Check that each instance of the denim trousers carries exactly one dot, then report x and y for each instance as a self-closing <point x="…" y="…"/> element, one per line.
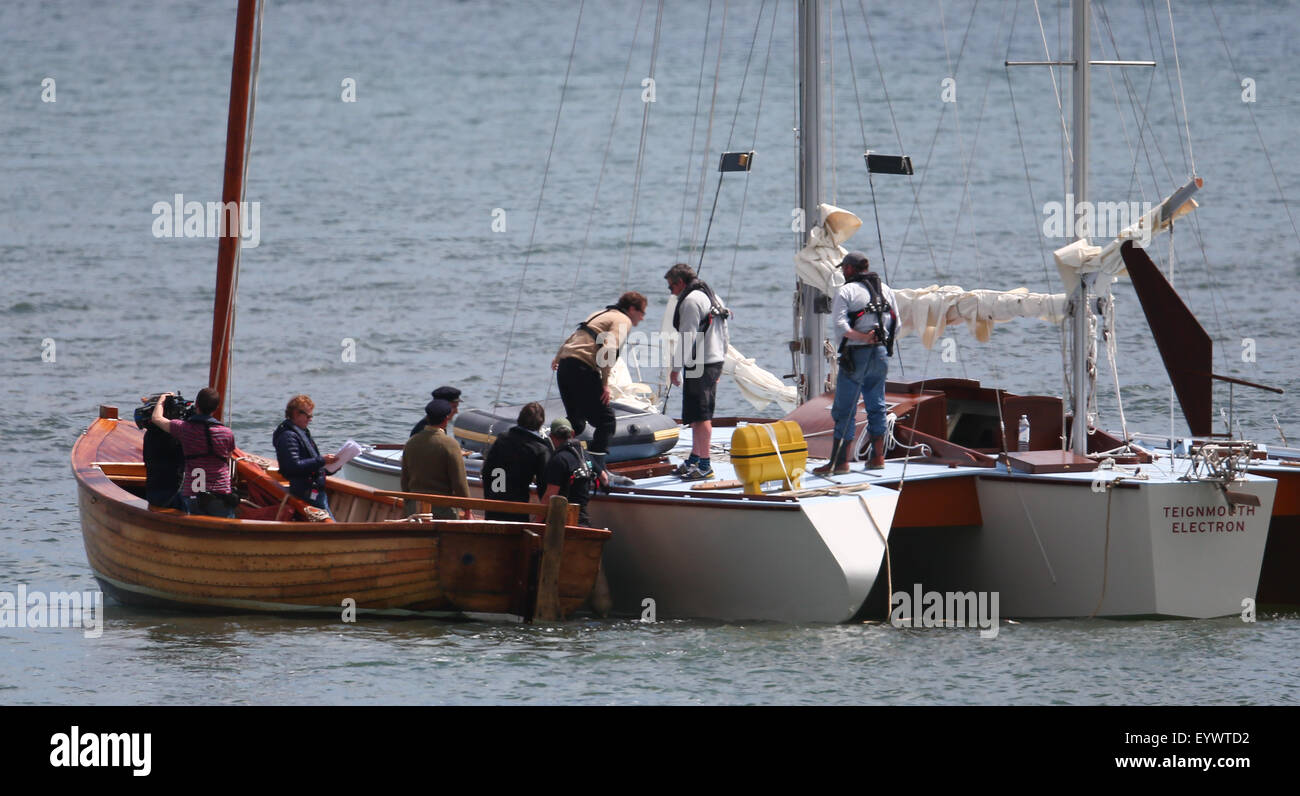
<point x="870" y="368"/>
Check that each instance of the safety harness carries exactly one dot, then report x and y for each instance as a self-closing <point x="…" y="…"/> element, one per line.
<point x="716" y="310"/>
<point x="595" y="336"/>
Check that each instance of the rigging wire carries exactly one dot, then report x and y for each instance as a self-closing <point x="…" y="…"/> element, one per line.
<point x="758" y="21"/>
<point x="690" y="149"/>
<point x="600" y="179"/>
<point x="758" y="115"/>
<point x="1250" y="108"/>
<point x="708" y="137"/>
<point x="916" y="189"/>
<point x="1056" y="91"/>
<point x="1173" y="39"/>
<point x="640" y="152"/>
<point x="1033" y="211"/>
<point x="532" y="235"/>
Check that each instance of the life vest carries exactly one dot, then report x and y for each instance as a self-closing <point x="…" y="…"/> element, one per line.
<point x="716" y="310"/>
<point x="586" y="327"/>
<point x="582" y="474"/>
<point x="877" y="305"/>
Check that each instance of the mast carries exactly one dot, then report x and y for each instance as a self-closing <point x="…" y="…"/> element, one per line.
<point x="811" y="302"/>
<point x="1079" y="52"/>
<point x="223" y="306"/>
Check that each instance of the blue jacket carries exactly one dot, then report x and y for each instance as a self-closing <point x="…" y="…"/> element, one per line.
<point x="299" y="458"/>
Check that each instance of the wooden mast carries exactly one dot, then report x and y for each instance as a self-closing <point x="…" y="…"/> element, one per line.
<point x="223" y="308"/>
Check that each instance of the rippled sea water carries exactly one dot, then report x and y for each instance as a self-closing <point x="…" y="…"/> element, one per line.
<point x="377" y="228"/>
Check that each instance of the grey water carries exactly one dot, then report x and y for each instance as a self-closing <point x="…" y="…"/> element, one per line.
<point x="402" y="245"/>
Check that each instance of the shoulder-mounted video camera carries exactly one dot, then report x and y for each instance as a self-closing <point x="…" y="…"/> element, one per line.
<point x="174" y="408"/>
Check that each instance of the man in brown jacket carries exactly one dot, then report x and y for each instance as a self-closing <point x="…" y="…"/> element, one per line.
<point x="582" y="370"/>
<point x="432" y="463"/>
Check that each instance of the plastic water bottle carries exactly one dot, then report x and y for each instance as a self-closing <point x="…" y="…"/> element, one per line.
<point x="1023" y="435"/>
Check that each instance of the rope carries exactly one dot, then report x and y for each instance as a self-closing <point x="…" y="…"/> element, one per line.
<point x="889" y="564"/>
<point x="532" y="235"/>
<point x="1105" y="561"/>
<point x="1108" y="334"/>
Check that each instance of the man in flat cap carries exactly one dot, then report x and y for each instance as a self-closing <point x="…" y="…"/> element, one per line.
<point x="431" y="461"/>
<point x="449" y="394"/>
<point x="865" y="324"/>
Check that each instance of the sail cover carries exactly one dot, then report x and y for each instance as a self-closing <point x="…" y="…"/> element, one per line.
<point x="928" y="311"/>
<point x="1079" y="257"/>
<point x="818" y="263"/>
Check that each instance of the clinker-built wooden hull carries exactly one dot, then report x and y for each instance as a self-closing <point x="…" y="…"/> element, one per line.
<point x="445" y="568"/>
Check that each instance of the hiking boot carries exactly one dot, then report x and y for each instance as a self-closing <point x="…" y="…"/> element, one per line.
<point x="683" y="468"/>
<point x="694" y="473"/>
<point x="831" y="468"/>
<point x="837" y="464"/>
<point x="877" y="460"/>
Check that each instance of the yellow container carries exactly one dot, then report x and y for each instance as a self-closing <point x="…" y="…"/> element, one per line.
<point x="755" y="457"/>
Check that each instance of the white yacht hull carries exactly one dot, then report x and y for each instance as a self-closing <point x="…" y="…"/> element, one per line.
<point x="1057" y="548"/>
<point x="812" y="560"/>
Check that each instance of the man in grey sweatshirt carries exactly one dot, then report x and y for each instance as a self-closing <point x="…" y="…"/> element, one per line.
<point x="701" y="321"/>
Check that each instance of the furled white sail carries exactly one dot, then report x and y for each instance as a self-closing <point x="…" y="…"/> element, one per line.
<point x="1080" y="257"/>
<point x="818" y="263"/>
<point x="758" y="386"/>
<point x="928" y="311"/>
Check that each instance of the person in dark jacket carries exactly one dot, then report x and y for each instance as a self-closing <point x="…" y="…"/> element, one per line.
<point x="300" y="460"/>
<point x="568" y="473"/>
<point x="516" y="461"/>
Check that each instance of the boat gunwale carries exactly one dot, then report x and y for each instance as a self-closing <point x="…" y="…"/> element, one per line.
<point x="97" y="485"/>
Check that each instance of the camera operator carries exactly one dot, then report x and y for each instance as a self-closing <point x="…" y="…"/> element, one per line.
<point x="207" y="445"/>
<point x="163" y="457"/>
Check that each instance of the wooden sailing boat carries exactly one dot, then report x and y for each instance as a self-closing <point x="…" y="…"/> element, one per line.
<point x="272" y="558"/>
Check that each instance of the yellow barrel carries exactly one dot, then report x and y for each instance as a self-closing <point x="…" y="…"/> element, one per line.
<point x="755" y="457"/>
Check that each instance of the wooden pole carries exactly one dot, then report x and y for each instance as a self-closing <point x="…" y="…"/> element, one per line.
<point x="548" y="581"/>
<point x="223" y="305"/>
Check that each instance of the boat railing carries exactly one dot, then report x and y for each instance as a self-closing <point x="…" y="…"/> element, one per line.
<point x="425" y="501"/>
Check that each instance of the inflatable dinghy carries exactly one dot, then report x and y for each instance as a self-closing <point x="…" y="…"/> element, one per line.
<point x="640" y="434"/>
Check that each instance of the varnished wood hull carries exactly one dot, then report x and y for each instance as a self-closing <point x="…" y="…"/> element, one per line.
<point x="445" y="568"/>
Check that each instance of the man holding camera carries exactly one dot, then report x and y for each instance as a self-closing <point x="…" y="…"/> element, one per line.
<point x="207" y="445"/>
<point x="866" y="321"/>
